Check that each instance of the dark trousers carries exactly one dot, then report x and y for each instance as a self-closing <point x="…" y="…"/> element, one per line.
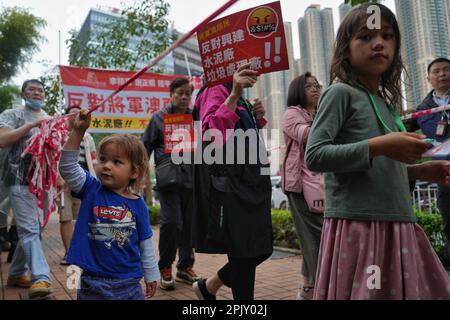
<point x="443" y="204"/>
<point x="239" y="275"/>
<point x="308" y="226"/>
<point x="175" y="231"/>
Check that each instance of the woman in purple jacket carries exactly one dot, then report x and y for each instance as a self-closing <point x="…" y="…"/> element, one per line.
<point x="303" y="96"/>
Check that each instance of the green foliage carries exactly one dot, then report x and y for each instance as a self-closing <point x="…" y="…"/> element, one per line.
<point x="431" y="223"/>
<point x="8" y="94"/>
<point x="144" y="25"/>
<point x="154" y="215"/>
<point x="53" y="93"/>
<point x="19" y="39"/>
<point x="284" y="234"/>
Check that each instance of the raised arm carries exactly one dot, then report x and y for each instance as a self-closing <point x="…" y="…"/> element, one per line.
<point x="69" y="168"/>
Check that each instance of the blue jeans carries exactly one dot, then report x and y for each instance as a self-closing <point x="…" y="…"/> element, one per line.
<point x="98" y="288"/>
<point x="29" y="252"/>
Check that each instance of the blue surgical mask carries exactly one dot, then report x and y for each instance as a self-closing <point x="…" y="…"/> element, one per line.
<point x="34" y="104"/>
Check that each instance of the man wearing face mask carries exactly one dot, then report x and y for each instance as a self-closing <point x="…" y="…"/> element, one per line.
<point x="16" y="127"/>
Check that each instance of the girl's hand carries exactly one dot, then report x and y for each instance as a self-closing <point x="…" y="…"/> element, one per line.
<point x="150" y="289"/>
<point x="82" y="121"/>
<point x="403" y="147"/>
<point x="431" y="171"/>
<point x="258" y="109"/>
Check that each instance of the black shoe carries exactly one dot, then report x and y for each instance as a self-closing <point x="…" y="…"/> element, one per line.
<point x="201" y="291"/>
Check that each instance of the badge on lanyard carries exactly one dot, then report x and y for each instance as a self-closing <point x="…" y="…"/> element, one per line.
<point x="442" y="127"/>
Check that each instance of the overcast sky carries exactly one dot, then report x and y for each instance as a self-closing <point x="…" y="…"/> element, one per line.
<point x="64" y="15"/>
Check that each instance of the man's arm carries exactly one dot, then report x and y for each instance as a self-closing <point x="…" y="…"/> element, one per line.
<point x="10" y="136"/>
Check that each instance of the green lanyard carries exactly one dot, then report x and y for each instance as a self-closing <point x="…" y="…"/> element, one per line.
<point x="394" y="113"/>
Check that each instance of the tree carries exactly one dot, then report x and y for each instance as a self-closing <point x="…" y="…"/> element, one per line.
<point x="19" y="40"/>
<point x="141" y="35"/>
<point x="54" y="102"/>
<point x="8" y="95"/>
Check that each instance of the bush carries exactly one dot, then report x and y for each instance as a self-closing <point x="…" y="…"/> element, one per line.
<point x="154" y="215"/>
<point x="284" y="234"/>
<point x="431" y="223"/>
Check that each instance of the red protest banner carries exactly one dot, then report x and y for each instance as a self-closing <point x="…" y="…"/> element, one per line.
<point x="128" y="111"/>
<point x="179" y="133"/>
<point x="254" y="36"/>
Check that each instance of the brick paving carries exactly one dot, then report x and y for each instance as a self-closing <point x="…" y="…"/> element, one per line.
<point x="276" y="279"/>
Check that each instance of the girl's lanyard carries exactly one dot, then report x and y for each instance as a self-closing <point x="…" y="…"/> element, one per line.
<point x="394" y="113"/>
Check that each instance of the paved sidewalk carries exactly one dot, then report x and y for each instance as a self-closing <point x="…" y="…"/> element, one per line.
<point x="276" y="279"/>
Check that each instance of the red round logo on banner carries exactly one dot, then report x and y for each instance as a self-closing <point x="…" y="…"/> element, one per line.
<point x="262" y="22"/>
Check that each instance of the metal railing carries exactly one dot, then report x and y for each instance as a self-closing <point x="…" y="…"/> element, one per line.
<point x="424" y="197"/>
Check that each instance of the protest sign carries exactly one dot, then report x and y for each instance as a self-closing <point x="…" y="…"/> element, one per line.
<point x="178" y="132"/>
<point x="254" y="36"/>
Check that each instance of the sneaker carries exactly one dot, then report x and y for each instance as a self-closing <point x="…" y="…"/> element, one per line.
<point x="305" y="293"/>
<point x="21" y="282"/>
<point x="187" y="276"/>
<point x="166" y="282"/>
<point x="201" y="291"/>
<point x="40" y="289"/>
<point x="64" y="261"/>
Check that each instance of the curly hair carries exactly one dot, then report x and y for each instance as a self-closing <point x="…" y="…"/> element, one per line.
<point x="135" y="151"/>
<point x="341" y="69"/>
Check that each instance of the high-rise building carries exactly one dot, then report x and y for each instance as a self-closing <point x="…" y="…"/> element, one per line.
<point x="425" y="28"/>
<point x="316" y="33"/>
<point x="186" y="58"/>
<point x="272" y="89"/>
<point x="299" y="68"/>
<point x="177" y="62"/>
<point x="344" y="8"/>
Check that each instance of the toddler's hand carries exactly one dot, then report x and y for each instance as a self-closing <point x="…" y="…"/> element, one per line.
<point x="404" y="147"/>
<point x="150" y="289"/>
<point x="82" y="121"/>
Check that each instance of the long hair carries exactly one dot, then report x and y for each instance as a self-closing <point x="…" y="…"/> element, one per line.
<point x="135" y="152"/>
<point x="297" y="91"/>
<point x="341" y="70"/>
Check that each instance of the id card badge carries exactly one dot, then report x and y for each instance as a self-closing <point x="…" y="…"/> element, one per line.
<point x="441" y="129"/>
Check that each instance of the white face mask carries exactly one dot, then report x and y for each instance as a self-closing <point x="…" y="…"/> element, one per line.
<point x="34" y="104"/>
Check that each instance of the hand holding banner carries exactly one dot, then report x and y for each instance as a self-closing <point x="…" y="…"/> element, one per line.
<point x="254" y="36"/>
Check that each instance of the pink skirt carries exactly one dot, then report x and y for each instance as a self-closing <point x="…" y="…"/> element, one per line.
<point x="378" y="260"/>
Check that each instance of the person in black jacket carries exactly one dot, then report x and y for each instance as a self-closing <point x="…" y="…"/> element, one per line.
<point x="437" y="126"/>
<point x="176" y="203"/>
<point x="232" y="201"/>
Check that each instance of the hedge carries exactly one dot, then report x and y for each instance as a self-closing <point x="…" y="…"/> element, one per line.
<point x="154" y="215"/>
<point x="285" y="235"/>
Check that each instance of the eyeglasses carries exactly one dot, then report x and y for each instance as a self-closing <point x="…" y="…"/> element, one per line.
<point x="310" y="87"/>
